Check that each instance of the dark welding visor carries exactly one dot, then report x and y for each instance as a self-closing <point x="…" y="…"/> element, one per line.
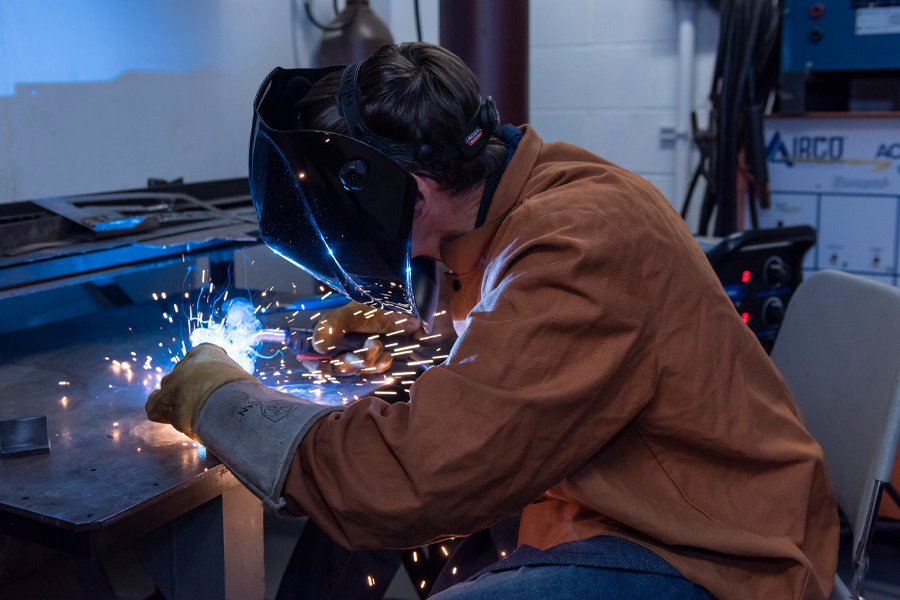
<point x="334" y="206"/>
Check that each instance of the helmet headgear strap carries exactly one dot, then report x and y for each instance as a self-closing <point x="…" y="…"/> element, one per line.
<point x="472" y="139"/>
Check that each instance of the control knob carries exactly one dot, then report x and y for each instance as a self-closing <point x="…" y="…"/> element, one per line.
<point x="775" y="272"/>
<point x="773" y="311"/>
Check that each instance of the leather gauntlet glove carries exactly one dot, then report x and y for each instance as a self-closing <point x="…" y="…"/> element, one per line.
<point x="355" y="317"/>
<point x="184" y="391"/>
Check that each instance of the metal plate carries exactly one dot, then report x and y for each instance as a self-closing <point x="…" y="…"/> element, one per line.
<point x="24" y="437"/>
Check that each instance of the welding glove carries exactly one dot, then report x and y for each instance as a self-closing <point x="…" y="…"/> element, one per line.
<point x="355" y="317"/>
<point x="183" y="392"/>
<point x="252" y="429"/>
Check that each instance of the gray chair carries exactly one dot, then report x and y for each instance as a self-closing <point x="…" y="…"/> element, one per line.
<point x="839" y="352"/>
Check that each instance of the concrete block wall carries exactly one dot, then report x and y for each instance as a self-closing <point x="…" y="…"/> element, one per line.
<point x="604" y="76"/>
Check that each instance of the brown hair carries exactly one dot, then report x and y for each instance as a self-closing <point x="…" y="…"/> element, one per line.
<point x="415" y="92"/>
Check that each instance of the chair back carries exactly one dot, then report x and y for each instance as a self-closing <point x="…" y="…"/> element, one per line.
<point x="839" y="352"/>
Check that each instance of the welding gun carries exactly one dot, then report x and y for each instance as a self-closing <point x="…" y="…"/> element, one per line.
<point x="300" y="342"/>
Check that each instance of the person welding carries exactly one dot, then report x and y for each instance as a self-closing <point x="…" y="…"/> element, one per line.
<point x="602" y="383"/>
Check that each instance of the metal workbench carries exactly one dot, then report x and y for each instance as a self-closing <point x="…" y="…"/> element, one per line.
<point x="112" y="478"/>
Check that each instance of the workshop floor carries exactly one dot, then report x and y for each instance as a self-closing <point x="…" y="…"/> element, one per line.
<point x="55" y="579"/>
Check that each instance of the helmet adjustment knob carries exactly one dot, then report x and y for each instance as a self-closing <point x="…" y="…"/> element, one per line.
<point x="353" y="174"/>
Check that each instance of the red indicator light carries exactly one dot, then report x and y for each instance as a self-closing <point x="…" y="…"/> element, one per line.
<point x="745" y="277"/>
<point x="745" y="317"/>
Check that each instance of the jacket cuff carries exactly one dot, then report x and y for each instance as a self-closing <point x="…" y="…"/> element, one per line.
<point x="255" y="431"/>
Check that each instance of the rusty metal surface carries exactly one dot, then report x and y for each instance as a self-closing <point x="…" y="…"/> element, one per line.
<point x="107" y="461"/>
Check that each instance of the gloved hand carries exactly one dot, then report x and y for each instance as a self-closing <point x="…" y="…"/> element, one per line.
<point x="355" y="317"/>
<point x="183" y="392"/>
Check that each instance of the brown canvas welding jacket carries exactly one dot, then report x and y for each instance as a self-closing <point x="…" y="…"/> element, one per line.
<point x="604" y="385"/>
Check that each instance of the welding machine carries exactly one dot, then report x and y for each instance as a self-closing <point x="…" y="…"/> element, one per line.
<point x="833" y="52"/>
<point x="760" y="270"/>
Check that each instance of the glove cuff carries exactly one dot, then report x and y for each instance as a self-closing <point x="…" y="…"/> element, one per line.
<point x="255" y="431"/>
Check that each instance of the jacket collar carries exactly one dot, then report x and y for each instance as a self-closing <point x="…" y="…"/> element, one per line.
<point x="463" y="254"/>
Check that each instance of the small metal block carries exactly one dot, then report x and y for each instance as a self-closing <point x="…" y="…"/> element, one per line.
<point x="24" y="437"/>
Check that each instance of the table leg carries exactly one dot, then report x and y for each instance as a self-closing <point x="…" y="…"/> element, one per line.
<point x="92" y="579"/>
<point x="214" y="551"/>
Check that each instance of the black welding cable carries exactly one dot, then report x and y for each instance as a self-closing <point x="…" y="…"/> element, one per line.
<point x="746" y="72"/>
<point x="715" y="93"/>
<point x="727" y="219"/>
<point x="740" y="51"/>
<point x="725" y="133"/>
<point x="709" y="197"/>
<point x="754" y="216"/>
<point x="706" y="209"/>
<point x="418" y="20"/>
<point x="690" y="192"/>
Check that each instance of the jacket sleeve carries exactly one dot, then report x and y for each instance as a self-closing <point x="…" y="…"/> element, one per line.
<point x="556" y="358"/>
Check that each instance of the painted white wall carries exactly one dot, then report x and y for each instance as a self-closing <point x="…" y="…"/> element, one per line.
<point x="98" y="95"/>
<point x="604" y="76"/>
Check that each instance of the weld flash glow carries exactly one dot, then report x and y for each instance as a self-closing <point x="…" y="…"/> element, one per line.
<point x="236" y="333"/>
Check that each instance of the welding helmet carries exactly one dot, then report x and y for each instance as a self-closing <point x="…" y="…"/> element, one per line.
<point x="340" y="207"/>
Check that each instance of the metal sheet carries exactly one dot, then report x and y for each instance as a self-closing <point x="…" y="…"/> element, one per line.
<point x="115" y="213"/>
<point x="107" y="461"/>
<point x="24" y="437"/>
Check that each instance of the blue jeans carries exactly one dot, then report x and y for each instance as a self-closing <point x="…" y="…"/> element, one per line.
<point x="604" y="567"/>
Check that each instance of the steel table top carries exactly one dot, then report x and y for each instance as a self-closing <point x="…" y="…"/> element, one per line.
<point x="107" y="463"/>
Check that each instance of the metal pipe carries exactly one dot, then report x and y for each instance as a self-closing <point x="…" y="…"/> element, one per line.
<point x="491" y="36"/>
<point x="861" y="550"/>
<point x="687" y="14"/>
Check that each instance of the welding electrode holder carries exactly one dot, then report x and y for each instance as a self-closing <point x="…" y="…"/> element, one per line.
<point x="299" y="341"/>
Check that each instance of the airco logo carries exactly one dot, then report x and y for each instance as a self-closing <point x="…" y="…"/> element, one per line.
<point x="825" y="150"/>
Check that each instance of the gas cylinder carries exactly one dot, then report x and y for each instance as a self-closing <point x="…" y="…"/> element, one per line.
<point x="354" y="34"/>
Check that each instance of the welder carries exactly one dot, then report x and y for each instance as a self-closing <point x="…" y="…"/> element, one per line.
<point x="602" y="383"/>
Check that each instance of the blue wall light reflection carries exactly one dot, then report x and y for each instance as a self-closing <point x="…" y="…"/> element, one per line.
<point x="67" y="41"/>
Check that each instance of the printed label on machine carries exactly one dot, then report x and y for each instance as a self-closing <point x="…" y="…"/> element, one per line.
<point x="834" y="155"/>
<point x="842" y="177"/>
<point x="878" y="20"/>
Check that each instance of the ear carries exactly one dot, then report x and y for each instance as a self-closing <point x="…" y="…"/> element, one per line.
<point x="425" y="198"/>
